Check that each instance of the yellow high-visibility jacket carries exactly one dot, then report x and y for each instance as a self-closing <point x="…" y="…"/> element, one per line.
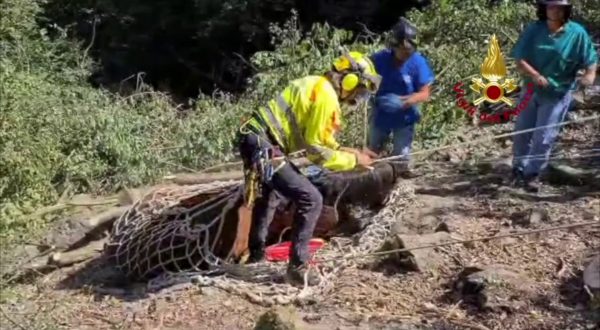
<point x="306" y="115"/>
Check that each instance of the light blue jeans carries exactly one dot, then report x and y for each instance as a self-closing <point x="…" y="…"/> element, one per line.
<point x="531" y="150"/>
<point x="402" y="139"/>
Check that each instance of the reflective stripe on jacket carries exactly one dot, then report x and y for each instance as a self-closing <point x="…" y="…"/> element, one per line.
<point x="306" y="115"/>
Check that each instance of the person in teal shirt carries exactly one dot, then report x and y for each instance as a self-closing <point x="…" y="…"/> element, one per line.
<point x="549" y="52"/>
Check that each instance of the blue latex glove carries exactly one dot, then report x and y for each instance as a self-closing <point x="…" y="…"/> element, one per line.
<point x="389" y="103"/>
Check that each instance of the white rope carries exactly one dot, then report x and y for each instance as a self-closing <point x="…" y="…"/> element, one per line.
<point x="490" y="138"/>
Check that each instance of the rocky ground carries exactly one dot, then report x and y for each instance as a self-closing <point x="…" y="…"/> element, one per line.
<point x="523" y="282"/>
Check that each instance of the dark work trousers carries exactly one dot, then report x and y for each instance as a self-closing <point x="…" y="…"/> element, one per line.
<point x="291" y="184"/>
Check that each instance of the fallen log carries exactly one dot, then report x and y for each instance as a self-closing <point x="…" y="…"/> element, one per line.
<point x="63" y="259"/>
<point x="105" y="217"/>
<point x="200" y="178"/>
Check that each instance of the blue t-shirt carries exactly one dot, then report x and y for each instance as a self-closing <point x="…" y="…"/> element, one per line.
<point x="557" y="57"/>
<point x="407" y="79"/>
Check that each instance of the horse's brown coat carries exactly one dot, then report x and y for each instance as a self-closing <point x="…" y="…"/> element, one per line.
<point x="340" y="190"/>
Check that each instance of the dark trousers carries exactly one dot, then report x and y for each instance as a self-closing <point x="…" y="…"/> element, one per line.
<point x="294" y="186"/>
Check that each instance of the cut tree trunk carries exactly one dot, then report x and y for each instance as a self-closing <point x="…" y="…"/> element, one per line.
<point x="63" y="259"/>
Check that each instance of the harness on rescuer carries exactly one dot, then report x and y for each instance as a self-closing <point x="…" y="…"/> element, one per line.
<point x="281" y="127"/>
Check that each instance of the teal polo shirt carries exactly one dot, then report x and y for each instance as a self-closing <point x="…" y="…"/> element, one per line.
<point x="557" y="56"/>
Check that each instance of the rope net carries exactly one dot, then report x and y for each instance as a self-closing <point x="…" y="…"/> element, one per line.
<point x="263" y="283"/>
<point x="170" y="230"/>
<point x="168" y="238"/>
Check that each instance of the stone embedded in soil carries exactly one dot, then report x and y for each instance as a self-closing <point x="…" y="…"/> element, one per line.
<point x="455" y="156"/>
<point x="591" y="273"/>
<point x="494" y="287"/>
<point x="66" y="233"/>
<point x="533" y="216"/>
<point x="425" y="218"/>
<point x="416" y="260"/>
<point x="280" y="318"/>
<point x="538" y="215"/>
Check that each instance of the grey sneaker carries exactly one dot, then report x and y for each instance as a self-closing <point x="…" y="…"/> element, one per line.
<point x="295" y="275"/>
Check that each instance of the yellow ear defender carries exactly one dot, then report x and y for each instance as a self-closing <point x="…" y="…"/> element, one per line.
<point x="356" y="74"/>
<point x="350" y="81"/>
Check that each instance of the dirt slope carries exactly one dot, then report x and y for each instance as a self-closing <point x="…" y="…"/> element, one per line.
<point x="468" y="200"/>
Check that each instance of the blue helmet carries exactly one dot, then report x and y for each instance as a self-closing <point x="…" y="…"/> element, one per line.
<point x="403" y="33"/>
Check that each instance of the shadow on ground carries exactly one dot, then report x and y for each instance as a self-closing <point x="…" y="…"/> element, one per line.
<point x="558" y="185"/>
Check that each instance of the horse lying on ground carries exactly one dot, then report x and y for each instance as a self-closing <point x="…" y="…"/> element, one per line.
<point x="174" y="231"/>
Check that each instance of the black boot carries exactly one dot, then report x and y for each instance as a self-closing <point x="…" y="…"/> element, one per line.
<point x="517" y="179"/>
<point x="256" y="255"/>
<point x="295" y="275"/>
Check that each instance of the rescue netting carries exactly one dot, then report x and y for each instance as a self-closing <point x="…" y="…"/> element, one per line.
<point x="172" y="229"/>
<point x="170" y="237"/>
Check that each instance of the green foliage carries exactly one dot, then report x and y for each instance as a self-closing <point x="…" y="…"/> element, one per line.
<point x="588" y="13"/>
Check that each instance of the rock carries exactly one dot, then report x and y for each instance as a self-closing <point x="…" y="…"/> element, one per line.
<point x="493" y="287"/>
<point x="68" y="233"/>
<point x="280" y="318"/>
<point x="589" y="97"/>
<point x="538" y="215"/>
<point x="502" y="166"/>
<point x="416" y="260"/>
<point x="443" y="227"/>
<point x="425" y="218"/>
<point x="455" y="156"/>
<point x="563" y="174"/>
<point x="591" y="274"/>
<point x="533" y="216"/>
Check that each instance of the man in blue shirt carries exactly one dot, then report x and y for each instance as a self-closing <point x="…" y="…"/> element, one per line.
<point x="549" y="52"/>
<point x="406" y="82"/>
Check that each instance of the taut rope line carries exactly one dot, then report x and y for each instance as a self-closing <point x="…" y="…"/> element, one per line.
<point x="528" y="232"/>
<point x="490" y="138"/>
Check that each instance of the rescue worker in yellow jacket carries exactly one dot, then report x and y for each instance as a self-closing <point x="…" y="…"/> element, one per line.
<point x="305" y="115"/>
